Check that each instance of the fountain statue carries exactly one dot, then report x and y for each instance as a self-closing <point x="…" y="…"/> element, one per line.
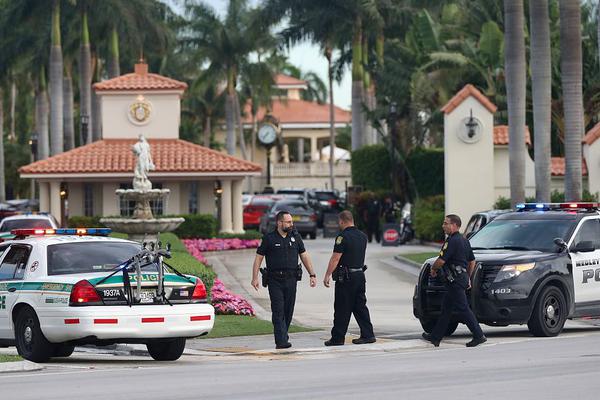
<point x="142" y="226"/>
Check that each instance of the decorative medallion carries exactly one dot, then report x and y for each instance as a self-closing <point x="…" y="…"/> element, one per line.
<point x="140" y="111"/>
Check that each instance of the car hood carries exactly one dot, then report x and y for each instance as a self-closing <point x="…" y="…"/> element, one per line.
<point x="508" y="256"/>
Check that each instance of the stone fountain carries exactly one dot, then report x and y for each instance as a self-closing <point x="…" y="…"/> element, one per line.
<point x="142" y="226"/>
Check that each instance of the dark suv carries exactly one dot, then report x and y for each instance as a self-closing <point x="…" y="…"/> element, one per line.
<point x="323" y="201"/>
<point x="537" y="266"/>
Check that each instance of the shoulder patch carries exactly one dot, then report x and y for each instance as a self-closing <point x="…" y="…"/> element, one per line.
<point x="339" y="239"/>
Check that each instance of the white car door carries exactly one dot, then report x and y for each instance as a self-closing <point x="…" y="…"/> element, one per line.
<point x="586" y="264"/>
<point x="12" y="272"/>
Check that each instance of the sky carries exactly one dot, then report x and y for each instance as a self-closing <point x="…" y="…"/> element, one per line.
<point x="306" y="56"/>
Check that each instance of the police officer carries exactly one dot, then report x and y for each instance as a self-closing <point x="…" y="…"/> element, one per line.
<point x="282" y="247"/>
<point x="458" y="262"/>
<point x="349" y="258"/>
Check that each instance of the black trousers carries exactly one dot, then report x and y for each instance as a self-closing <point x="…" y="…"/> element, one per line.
<point x="373" y="229"/>
<point x="282" y="292"/>
<point x="455" y="301"/>
<point x="350" y="298"/>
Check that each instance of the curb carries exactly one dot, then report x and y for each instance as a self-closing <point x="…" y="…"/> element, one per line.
<point x="408" y="261"/>
<point x="19" y="366"/>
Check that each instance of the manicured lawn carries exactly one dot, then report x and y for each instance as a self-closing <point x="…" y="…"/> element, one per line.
<point x="242" y="325"/>
<point x="420" y="257"/>
<point x="9" y="358"/>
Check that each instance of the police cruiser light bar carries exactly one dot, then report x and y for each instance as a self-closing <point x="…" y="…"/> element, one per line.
<point x="557" y="206"/>
<point x="62" y="231"/>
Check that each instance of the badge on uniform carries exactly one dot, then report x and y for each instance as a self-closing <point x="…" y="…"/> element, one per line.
<point x="293" y="239"/>
<point x="339" y="240"/>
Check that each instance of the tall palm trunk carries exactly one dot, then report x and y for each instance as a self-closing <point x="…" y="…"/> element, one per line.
<point x="238" y="120"/>
<point x="68" y="122"/>
<point x="541" y="77"/>
<point x="13" y="104"/>
<point x="515" y="90"/>
<point x="379" y="53"/>
<point x="2" y="180"/>
<point x="96" y="120"/>
<point x="366" y="106"/>
<point x="328" y="55"/>
<point x="85" y="80"/>
<point x="571" y="74"/>
<point x="56" y="84"/>
<point x="357" y="86"/>
<point x="207" y="130"/>
<point x="229" y="113"/>
<point x="41" y="116"/>
<point x="114" y="69"/>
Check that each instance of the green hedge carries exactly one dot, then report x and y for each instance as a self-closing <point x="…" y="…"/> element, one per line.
<point x="429" y="215"/>
<point x="371" y="168"/>
<point x="197" y="226"/>
<point x="85" y="222"/>
<point x="503" y="203"/>
<point x="426" y="167"/>
<point x="248" y="235"/>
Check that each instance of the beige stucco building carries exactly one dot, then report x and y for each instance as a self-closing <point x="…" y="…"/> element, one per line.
<point x="83" y="181"/>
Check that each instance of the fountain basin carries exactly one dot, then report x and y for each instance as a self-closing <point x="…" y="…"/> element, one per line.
<point x="137" y="229"/>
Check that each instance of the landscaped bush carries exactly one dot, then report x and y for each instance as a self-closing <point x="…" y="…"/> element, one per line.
<point x="226" y="302"/>
<point x="248" y="235"/>
<point x="429" y="215"/>
<point x="81" y="221"/>
<point x="426" y="167"/>
<point x="371" y="168"/>
<point x="219" y="244"/>
<point x="197" y="226"/>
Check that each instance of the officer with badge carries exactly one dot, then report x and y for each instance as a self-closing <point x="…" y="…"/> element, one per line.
<point x="281" y="247"/>
<point x="347" y="265"/>
<point x="457" y="263"/>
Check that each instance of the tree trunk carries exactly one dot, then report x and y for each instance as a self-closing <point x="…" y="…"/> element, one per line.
<point x="515" y="89"/>
<point x="114" y="68"/>
<point x="328" y="55"/>
<point x="357" y="86"/>
<point x="207" y="131"/>
<point x="68" y="109"/>
<point x="85" y="82"/>
<point x="2" y="180"/>
<point x="230" y="124"/>
<point x="56" y="85"/>
<point x="96" y="120"/>
<point x="41" y="117"/>
<point x="13" y="104"/>
<point x="571" y="74"/>
<point x="366" y="102"/>
<point x="238" y="120"/>
<point x="541" y="77"/>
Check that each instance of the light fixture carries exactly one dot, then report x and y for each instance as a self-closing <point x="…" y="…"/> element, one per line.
<point x="471" y="125"/>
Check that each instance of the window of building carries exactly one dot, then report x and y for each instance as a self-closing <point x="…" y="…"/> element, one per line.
<point x="88" y="199"/>
<point x="193" y="198"/>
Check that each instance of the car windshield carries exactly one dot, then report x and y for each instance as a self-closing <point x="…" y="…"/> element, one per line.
<point x="291" y="207"/>
<point x="25" y="223"/>
<point x="522" y="234"/>
<point x="324" y="195"/>
<point x="85" y="257"/>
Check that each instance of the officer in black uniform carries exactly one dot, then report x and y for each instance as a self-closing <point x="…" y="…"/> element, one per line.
<point x="457" y="261"/>
<point x="282" y="248"/>
<point x="348" y="262"/>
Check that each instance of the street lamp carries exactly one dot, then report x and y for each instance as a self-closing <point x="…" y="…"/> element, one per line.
<point x="83" y="132"/>
<point x="471" y="125"/>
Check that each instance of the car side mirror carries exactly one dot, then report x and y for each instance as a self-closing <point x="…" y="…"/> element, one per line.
<point x="562" y="246"/>
<point x="585" y="246"/>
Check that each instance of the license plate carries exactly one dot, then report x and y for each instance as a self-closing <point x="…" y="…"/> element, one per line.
<point x="147" y="296"/>
<point x="296" y="218"/>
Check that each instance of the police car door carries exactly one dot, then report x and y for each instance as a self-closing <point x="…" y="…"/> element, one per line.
<point x="6" y="277"/>
<point x="584" y="249"/>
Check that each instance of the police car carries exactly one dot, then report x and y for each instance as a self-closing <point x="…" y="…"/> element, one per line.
<point x="26" y="221"/>
<point x="65" y="287"/>
<point x="539" y="266"/>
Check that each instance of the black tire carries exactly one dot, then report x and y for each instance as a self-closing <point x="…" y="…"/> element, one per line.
<point x="549" y="313"/>
<point x="31" y="343"/>
<point x="63" y="350"/>
<point x="429" y="324"/>
<point x="313" y="235"/>
<point x="166" y="350"/>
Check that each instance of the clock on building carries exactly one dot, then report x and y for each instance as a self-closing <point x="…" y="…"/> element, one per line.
<point x="267" y="134"/>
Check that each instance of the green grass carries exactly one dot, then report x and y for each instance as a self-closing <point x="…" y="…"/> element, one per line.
<point x="420" y="257"/>
<point x="242" y="325"/>
<point x="9" y="358"/>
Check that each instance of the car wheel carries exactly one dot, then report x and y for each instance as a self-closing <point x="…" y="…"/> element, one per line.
<point x="166" y="350"/>
<point x="549" y="313"/>
<point x="63" y="350"/>
<point x="31" y="343"/>
<point x="428" y="325"/>
<point x="313" y="235"/>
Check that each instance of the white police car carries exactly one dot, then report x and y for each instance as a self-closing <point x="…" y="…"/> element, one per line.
<point x="64" y="287"/>
<point x="27" y="221"/>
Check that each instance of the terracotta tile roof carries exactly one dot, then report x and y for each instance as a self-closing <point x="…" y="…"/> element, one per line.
<point x="115" y="156"/>
<point x="557" y="166"/>
<point x="592" y="135"/>
<point x="140" y="79"/>
<point x="286" y="80"/>
<point x="501" y="135"/>
<point x="301" y="112"/>
<point x="468" y="90"/>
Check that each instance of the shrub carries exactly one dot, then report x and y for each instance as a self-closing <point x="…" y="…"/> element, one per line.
<point x="426" y="167"/>
<point x="371" y="168"/>
<point x="248" y="235"/>
<point x="197" y="226"/>
<point x="429" y="215"/>
<point x="502" y="203"/>
<point x="81" y="221"/>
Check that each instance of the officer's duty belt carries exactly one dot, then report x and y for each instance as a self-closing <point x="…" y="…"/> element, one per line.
<point x="281" y="273"/>
<point x="355" y="270"/>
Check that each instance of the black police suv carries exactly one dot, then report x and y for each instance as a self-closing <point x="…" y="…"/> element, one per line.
<point x="537" y="266"/>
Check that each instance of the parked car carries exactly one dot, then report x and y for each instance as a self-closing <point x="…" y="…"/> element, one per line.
<point x="257" y="207"/>
<point x="27" y="221"/>
<point x="301" y="193"/>
<point x="246" y="199"/>
<point x="481" y="219"/>
<point x="323" y="201"/>
<point x="305" y="218"/>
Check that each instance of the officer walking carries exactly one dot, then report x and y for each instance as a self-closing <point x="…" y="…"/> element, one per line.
<point x="458" y="262"/>
<point x="282" y="247"/>
<point x="348" y="269"/>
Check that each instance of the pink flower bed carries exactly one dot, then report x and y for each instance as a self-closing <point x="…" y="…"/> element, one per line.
<point x="221" y="244"/>
<point x="226" y="302"/>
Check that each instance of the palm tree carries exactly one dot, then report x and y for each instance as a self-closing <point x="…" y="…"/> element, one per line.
<point x="541" y="88"/>
<point x="515" y="90"/>
<point x="56" y="84"/>
<point x="41" y="115"/>
<point x="85" y="78"/>
<point x="68" y="106"/>
<point x="2" y="183"/>
<point x="571" y="73"/>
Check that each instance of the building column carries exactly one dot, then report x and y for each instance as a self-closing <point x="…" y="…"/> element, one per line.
<point x="55" y="208"/>
<point x="236" y="203"/>
<point x="226" y="226"/>
<point x="110" y="201"/>
<point x="44" y="197"/>
<point x="314" y="151"/>
<point x="300" y="150"/>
